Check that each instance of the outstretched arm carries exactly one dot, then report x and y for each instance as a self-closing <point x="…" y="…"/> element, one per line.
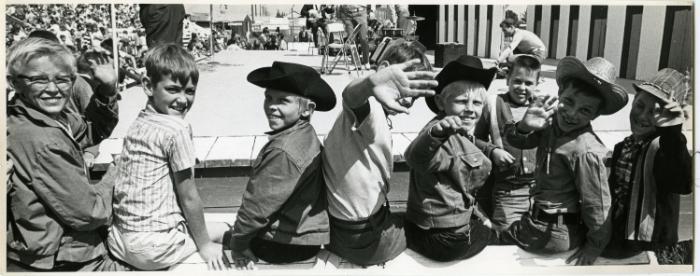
<point x="389" y="86"/>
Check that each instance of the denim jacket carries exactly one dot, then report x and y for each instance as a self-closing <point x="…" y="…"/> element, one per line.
<point x="285" y="200"/>
<point x="445" y="174"/>
<point x="54" y="213"/>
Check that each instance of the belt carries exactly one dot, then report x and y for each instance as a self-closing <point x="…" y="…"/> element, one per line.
<point x="560" y="218"/>
<point x="375" y="220"/>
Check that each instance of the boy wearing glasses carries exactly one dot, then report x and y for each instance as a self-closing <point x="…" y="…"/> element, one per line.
<point x="54" y="213"/>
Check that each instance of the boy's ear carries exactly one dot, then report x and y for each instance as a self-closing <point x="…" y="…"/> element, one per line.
<point x="146" y="83"/>
<point x="438" y="102"/>
<point x="308" y="110"/>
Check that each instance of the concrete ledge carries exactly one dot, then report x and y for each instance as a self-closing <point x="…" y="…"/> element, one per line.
<point x="504" y="259"/>
<point x="241" y="151"/>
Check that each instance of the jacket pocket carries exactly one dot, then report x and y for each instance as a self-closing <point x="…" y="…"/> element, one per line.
<point x="477" y="169"/>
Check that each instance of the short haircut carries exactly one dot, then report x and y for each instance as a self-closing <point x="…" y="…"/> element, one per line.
<point x="507" y="23"/>
<point x="34" y="47"/>
<point x="403" y="52"/>
<point x="45" y="34"/>
<point x="171" y="59"/>
<point x="462" y="86"/>
<point x="528" y="63"/>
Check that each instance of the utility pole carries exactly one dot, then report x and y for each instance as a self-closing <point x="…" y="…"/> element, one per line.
<point x="211" y="30"/>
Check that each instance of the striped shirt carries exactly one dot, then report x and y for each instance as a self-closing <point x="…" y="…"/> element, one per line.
<point x="155" y="147"/>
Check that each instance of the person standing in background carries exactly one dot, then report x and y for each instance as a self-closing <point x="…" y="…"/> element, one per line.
<point x="351" y="16"/>
<point x="163" y="23"/>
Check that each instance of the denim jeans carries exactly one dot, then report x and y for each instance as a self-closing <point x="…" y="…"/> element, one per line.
<point x="543" y="237"/>
<point x="446" y="244"/>
<point x="280" y="253"/>
<point x="510" y="203"/>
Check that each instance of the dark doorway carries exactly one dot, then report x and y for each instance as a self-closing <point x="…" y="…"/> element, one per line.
<point x="676" y="48"/>
<point x="427" y="29"/>
<point x="553" y="33"/>
<point x="599" y="18"/>
<point x="630" y="42"/>
<point x="573" y="31"/>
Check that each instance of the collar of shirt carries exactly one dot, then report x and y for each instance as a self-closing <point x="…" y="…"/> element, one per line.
<point x="63" y="121"/>
<point x="277" y="133"/>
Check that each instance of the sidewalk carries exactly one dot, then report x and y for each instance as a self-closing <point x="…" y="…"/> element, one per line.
<point x="229" y="124"/>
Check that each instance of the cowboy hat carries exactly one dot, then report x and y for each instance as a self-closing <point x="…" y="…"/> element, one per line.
<point x="297" y="79"/>
<point x="464" y="68"/>
<point x="598" y="73"/>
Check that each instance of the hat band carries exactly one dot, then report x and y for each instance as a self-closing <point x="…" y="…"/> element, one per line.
<point x="660" y="88"/>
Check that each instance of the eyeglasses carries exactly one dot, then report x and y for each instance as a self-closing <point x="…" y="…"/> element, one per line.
<point x="42" y="82"/>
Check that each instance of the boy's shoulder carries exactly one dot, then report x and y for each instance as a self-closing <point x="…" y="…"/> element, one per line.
<point x="165" y="125"/>
<point x="299" y="144"/>
<point x="584" y="143"/>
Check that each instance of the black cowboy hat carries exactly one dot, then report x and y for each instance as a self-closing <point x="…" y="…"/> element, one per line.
<point x="598" y="73"/>
<point x="464" y="68"/>
<point x="297" y="79"/>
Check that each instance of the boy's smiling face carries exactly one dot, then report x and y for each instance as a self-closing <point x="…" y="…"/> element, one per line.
<point x="642" y="114"/>
<point x="171" y="97"/>
<point x="576" y="108"/>
<point x="283" y="109"/>
<point x="522" y="83"/>
<point x="459" y="100"/>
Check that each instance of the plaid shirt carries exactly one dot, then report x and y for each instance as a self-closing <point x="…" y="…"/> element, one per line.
<point x="155" y="147"/>
<point x="624" y="165"/>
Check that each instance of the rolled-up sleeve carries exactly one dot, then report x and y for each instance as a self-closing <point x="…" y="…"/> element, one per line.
<point x="273" y="182"/>
<point x="591" y="182"/>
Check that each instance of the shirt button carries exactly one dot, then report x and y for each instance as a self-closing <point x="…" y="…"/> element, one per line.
<point x="524" y="158"/>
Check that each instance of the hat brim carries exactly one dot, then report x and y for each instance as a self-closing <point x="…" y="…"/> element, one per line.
<point x="614" y="95"/>
<point x="653" y="91"/>
<point x="457" y="72"/>
<point x="266" y="77"/>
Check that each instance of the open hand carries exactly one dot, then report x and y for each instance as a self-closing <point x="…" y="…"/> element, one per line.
<point x="391" y="84"/>
<point x="582" y="258"/>
<point x="538" y="114"/>
<point x="671" y="114"/>
<point x="212" y="254"/>
<point x="448" y="126"/>
<point x="102" y="71"/>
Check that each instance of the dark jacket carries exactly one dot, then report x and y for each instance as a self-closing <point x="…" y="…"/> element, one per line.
<point x="522" y="171"/>
<point x="54" y="213"/>
<point x="672" y="172"/>
<point x="445" y="175"/>
<point x="285" y="200"/>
